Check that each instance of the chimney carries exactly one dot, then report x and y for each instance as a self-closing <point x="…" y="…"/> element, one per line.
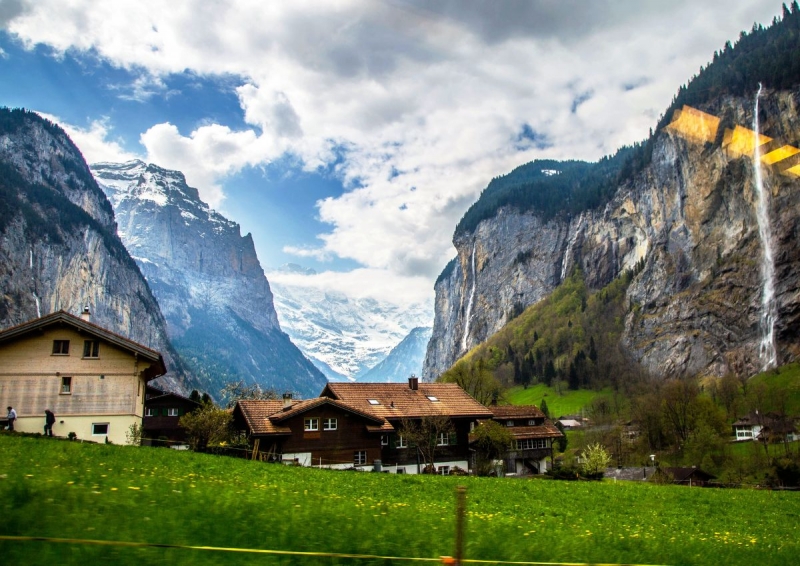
<point x="86" y="314"/>
<point x="287" y="401"/>
<point x="413" y="383"/>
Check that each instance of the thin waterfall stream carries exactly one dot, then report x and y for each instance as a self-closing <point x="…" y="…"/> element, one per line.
<point x="468" y="314"/>
<point x="767" y="351"/>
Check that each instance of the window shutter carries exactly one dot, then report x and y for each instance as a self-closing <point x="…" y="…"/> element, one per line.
<point x="180" y="411"/>
<point x="453" y="439"/>
<point x="164" y="412"/>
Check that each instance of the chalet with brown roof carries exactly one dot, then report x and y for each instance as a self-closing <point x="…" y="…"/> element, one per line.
<point x="91" y="378"/>
<point x="399" y="403"/>
<point x="314" y="432"/>
<point x="361" y="425"/>
<point x="533" y="435"/>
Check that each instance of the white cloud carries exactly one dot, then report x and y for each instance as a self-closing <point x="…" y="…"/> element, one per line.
<point x="363" y="283"/>
<point x="429" y="96"/>
<point x="95" y="142"/>
<point x="316" y="253"/>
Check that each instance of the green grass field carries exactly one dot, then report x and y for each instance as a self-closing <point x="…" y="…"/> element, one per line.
<point x="52" y="488"/>
<point x="567" y="403"/>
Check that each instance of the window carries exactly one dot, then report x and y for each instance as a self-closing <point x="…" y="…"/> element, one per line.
<point x="99" y="429"/>
<point x="531" y="423"/>
<point x="432" y="399"/>
<point x="509" y="423"/>
<point x="384" y="440"/>
<point x="401" y="442"/>
<point x="531" y="443"/>
<point x="91" y="348"/>
<point x="444" y="470"/>
<point x="310" y="425"/>
<point x="401" y="470"/>
<point x="150" y="412"/>
<point x="360" y="457"/>
<point x="61" y="347"/>
<point x="330" y="424"/>
<point x="373" y="402"/>
<point x="66" y="385"/>
<point x="172" y="412"/>
<point x="443" y="439"/>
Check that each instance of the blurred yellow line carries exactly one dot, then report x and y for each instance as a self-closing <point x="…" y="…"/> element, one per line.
<point x="445" y="559"/>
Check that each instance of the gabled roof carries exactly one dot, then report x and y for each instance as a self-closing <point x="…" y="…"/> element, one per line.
<point x="398" y="400"/>
<point x="265" y="417"/>
<point x="167" y="395"/>
<point x="256" y="414"/>
<point x="547" y="430"/>
<point x="64" y="318"/>
<point x="683" y="474"/>
<point x="517" y="412"/>
<point x="303" y="406"/>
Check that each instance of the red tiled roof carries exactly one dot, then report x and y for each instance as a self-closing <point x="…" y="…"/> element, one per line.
<point x="516" y="412"/>
<point x="263" y="417"/>
<point x="303" y="406"/>
<point x="398" y="400"/>
<point x="257" y="412"/>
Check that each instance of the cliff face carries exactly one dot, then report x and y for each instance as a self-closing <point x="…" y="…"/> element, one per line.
<point x="58" y="242"/>
<point x="208" y="281"/>
<point x="690" y="217"/>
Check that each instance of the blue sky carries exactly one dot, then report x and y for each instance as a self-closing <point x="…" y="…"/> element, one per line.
<point x="352" y="136"/>
<point x="276" y="202"/>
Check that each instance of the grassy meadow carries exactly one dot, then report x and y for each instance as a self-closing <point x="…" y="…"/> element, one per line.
<point x="567" y="402"/>
<point x="53" y="488"/>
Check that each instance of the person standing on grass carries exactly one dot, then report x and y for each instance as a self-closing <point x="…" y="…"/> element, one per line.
<point x="12" y="416"/>
<point x="49" y="421"/>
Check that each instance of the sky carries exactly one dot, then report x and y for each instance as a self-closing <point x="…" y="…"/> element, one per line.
<point x="350" y="136"/>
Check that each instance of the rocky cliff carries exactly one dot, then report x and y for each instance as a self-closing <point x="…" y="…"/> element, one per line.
<point x="690" y="218"/>
<point x="58" y="243"/>
<point x="208" y="281"/>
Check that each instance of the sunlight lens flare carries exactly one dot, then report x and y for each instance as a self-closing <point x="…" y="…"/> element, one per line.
<point x="694" y="125"/>
<point x="741" y="141"/>
<point x="699" y="127"/>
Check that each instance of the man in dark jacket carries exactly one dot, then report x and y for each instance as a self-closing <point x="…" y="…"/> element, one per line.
<point x="49" y="421"/>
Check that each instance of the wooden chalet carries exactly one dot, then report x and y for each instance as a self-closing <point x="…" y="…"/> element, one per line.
<point x="162" y="413"/>
<point x="533" y="435"/>
<point x="397" y="403"/>
<point x="361" y="425"/>
<point x="320" y="432"/>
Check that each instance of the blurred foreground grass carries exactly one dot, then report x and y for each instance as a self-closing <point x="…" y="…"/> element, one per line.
<point x="53" y="488"/>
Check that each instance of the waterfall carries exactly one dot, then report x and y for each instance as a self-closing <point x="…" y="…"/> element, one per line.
<point x="570" y="245"/>
<point x="469" y="302"/>
<point x="766" y="351"/>
<point x="33" y="279"/>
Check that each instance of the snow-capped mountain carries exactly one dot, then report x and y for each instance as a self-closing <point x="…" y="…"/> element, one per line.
<point x="207" y="279"/>
<point x="403" y="361"/>
<point x="344" y="336"/>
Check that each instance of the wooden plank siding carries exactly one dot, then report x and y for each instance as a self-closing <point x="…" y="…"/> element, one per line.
<point x="107" y="386"/>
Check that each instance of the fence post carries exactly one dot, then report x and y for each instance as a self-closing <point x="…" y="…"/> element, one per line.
<point x="461" y="506"/>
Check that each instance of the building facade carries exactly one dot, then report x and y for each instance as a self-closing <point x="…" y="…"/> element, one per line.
<point x="92" y="379"/>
